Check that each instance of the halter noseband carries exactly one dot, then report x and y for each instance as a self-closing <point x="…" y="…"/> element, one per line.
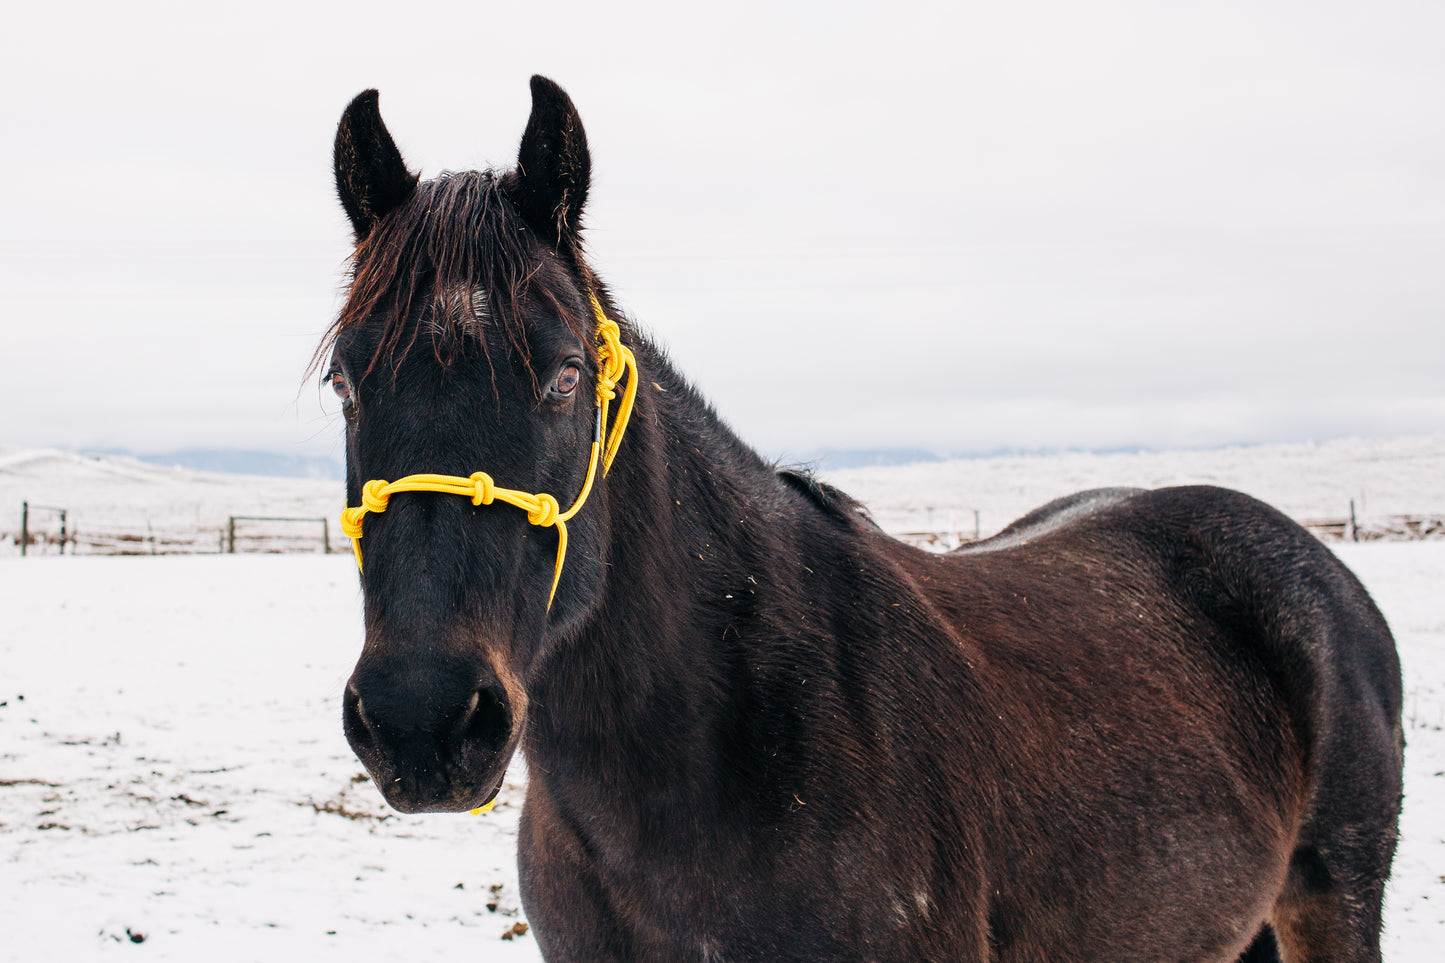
<point x="613" y="359"/>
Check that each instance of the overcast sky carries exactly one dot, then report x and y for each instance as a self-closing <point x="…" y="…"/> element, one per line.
<point x="958" y="226"/>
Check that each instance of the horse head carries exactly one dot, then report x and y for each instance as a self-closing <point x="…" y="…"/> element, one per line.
<point x="467" y="348"/>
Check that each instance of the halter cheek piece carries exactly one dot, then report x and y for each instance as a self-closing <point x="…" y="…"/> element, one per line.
<point x="613" y="358"/>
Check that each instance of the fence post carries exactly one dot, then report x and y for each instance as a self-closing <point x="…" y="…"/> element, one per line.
<point x="325" y="535"/>
<point x="231" y="536"/>
<point x="24" y="526"/>
<point x="62" y="533"/>
<point x="975" y="524"/>
<point x="1354" y="525"/>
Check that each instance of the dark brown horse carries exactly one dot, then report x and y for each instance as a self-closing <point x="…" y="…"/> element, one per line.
<point x="1136" y="725"/>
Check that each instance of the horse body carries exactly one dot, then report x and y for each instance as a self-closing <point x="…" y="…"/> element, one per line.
<point x="837" y="746"/>
<point x="1134" y="725"/>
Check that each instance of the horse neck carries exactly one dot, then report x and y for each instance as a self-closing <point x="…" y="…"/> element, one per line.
<point x="696" y="519"/>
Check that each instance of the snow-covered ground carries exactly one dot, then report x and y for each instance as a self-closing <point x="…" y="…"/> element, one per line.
<point x="172" y="765"/>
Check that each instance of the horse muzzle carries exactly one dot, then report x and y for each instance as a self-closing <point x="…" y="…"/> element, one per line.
<point x="433" y="741"/>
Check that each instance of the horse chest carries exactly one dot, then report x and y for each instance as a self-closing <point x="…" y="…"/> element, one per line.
<point x="800" y="892"/>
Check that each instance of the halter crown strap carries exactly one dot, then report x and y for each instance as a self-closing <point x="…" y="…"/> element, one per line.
<point x="614" y="359"/>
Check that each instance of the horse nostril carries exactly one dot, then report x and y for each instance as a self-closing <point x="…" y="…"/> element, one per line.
<point x="357" y="726"/>
<point x="487" y="719"/>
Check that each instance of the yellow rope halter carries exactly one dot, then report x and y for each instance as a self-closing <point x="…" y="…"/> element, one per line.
<point x="613" y="359"/>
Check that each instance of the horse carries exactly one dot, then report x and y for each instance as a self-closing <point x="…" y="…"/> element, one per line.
<point x="1135" y="725"/>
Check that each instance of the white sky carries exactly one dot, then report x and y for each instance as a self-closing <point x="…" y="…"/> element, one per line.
<point x="955" y="226"/>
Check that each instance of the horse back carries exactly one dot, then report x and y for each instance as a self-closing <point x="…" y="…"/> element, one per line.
<point x="1223" y="577"/>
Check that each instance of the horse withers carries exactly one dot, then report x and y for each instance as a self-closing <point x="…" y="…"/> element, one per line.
<point x="1135" y="725"/>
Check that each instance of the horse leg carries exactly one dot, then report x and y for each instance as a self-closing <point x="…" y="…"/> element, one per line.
<point x="1330" y="907"/>
<point x="566" y="906"/>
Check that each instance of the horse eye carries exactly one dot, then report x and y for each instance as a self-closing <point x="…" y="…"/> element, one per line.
<point x="566" y="380"/>
<point x="338" y="384"/>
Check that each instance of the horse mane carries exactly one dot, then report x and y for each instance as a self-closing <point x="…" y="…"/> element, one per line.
<point x="834" y="502"/>
<point x="457" y="239"/>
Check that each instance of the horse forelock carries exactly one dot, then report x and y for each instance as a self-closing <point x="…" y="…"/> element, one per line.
<point x="458" y="247"/>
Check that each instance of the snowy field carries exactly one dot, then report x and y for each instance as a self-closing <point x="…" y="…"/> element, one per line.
<point x="1383" y="476"/>
<point x="117" y="494"/>
<point x="172" y="767"/>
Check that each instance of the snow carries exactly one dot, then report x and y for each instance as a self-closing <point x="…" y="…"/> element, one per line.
<point x="117" y="494"/>
<point x="176" y="768"/>
<point x="1407" y="581"/>
<point x="1384" y="476"/>
<point x="172" y="763"/>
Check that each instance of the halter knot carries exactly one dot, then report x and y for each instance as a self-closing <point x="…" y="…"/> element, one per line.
<point x="351" y="523"/>
<point x="546" y="511"/>
<point x="484" y="487"/>
<point x="609" y="352"/>
<point x="374" y="495"/>
<point x="614" y="359"/>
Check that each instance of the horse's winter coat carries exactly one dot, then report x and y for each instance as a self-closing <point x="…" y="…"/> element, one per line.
<point x="1136" y="725"/>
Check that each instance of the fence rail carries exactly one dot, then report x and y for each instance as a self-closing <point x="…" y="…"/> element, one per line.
<point x="272" y="538"/>
<point x="1393" y="528"/>
<point x="24" y="538"/>
<point x="269" y="534"/>
<point x="281" y="534"/>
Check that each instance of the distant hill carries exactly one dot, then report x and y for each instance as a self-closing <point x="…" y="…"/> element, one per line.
<point x="121" y="497"/>
<point x="233" y="461"/>
<point x="1381" y="476"/>
<point x="837" y="459"/>
<point x="833" y="459"/>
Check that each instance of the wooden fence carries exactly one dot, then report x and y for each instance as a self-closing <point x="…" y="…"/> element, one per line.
<point x="271" y="540"/>
<point x="270" y="534"/>
<point x="1393" y="528"/>
<point x="278" y="534"/>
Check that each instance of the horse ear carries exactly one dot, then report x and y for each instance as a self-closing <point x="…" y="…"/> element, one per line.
<point x="371" y="177"/>
<point x="553" y="167"/>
